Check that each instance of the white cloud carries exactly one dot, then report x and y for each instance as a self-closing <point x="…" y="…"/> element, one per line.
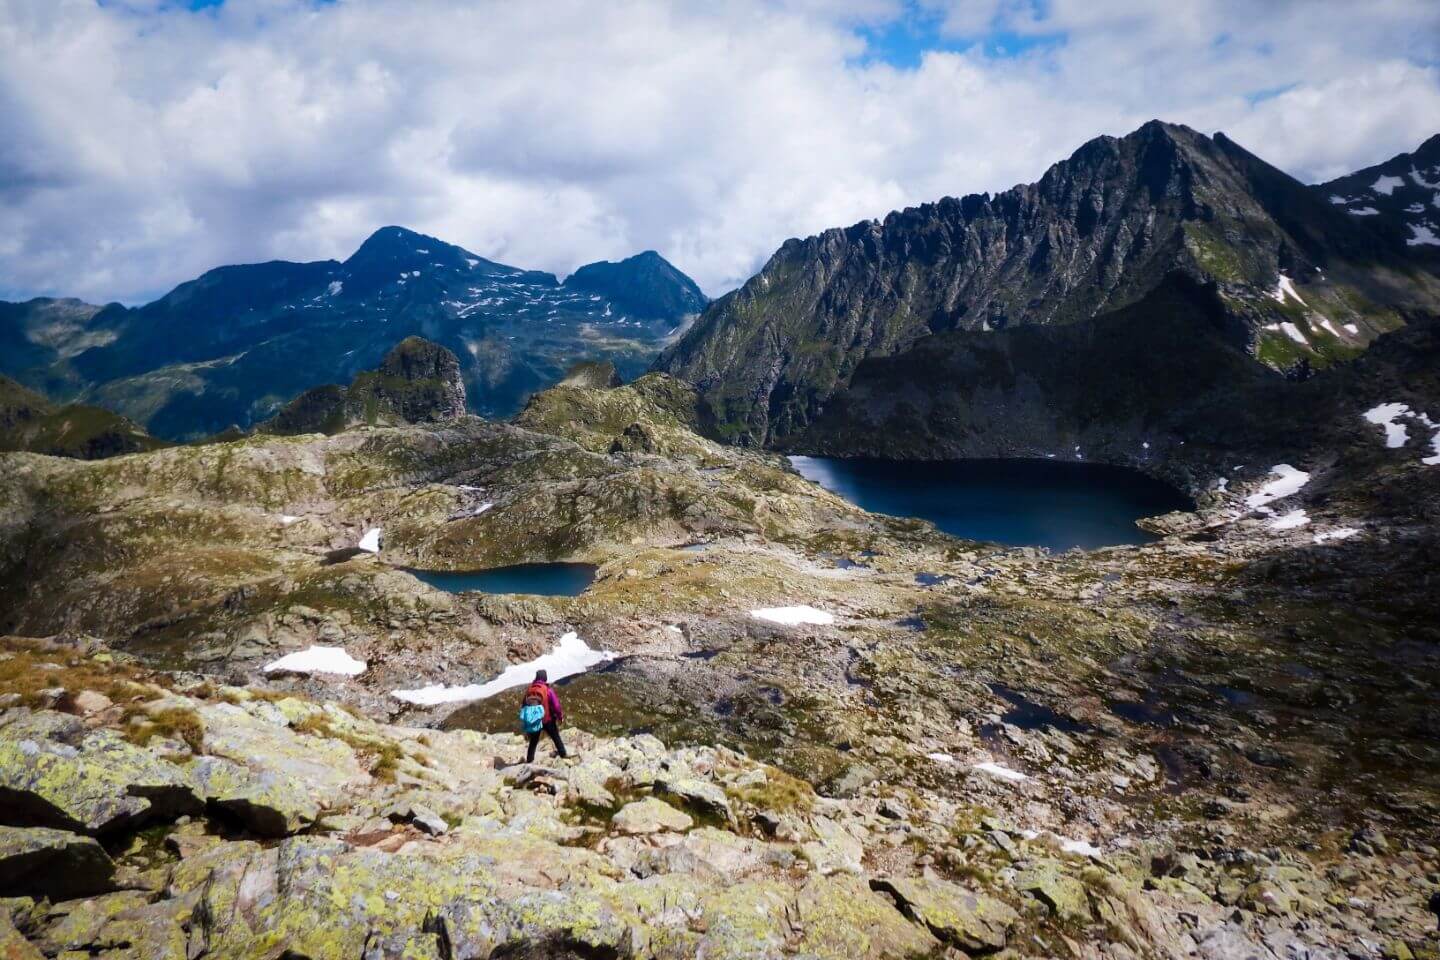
<point x="141" y="144"/>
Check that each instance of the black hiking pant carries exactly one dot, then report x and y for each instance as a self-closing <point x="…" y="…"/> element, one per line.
<point x="553" y="729"/>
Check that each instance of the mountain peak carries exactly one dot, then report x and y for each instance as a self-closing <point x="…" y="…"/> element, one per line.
<point x="645" y="285"/>
<point x="399" y="243"/>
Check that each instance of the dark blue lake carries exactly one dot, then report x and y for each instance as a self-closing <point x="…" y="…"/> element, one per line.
<point x="547" y="579"/>
<point x="1016" y="502"/>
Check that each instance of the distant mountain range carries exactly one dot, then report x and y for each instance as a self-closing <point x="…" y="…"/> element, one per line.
<point x="233" y="346"/>
<point x="1128" y="300"/>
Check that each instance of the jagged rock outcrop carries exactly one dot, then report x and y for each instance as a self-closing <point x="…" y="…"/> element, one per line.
<point x="418" y="382"/>
<point x="1300" y="281"/>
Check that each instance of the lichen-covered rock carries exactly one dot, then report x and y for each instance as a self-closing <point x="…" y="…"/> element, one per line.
<point x="650" y="816"/>
<point x="840" y="918"/>
<point x="326" y="766"/>
<point x="267" y="802"/>
<point x="834" y="849"/>
<point x="42" y="862"/>
<point x="13" y="946"/>
<point x="55" y="772"/>
<point x="1062" y="893"/>
<point x="971" y="921"/>
<point x="706" y="795"/>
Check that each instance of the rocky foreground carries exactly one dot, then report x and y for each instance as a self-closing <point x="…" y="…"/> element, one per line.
<point x="173" y="818"/>
<point x="1220" y="744"/>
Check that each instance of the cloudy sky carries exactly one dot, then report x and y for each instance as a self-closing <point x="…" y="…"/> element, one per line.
<point x="142" y="142"/>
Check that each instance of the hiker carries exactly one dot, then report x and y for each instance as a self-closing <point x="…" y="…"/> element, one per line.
<point x="540" y="710"/>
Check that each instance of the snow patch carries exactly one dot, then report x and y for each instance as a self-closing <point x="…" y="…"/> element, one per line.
<point x="1422" y="235"/>
<point x="1290" y="521"/>
<point x="570" y="656"/>
<point x="1422" y="182"/>
<point x="1287" y="481"/>
<point x="1222" y="484"/>
<point x="1337" y="533"/>
<point x="996" y="770"/>
<point x="794" y="616"/>
<point x="1363" y="212"/>
<point x="1352" y="329"/>
<point x="318" y="660"/>
<point x="1293" y="332"/>
<point x="1079" y="846"/>
<point x="1387" y="184"/>
<point x="286" y="519"/>
<point x="1386" y="415"/>
<point x="1285" y="287"/>
<point x="335" y="287"/>
<point x="371" y="541"/>
<point x="940" y="757"/>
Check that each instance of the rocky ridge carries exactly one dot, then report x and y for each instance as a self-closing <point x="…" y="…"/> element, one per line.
<point x="1295" y="284"/>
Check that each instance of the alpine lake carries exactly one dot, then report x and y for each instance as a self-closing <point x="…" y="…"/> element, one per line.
<point x="1039" y="503"/>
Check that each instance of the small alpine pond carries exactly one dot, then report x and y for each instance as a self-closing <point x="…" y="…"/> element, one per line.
<point x="543" y="579"/>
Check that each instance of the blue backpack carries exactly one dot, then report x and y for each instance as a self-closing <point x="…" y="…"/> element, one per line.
<point x="532" y="714"/>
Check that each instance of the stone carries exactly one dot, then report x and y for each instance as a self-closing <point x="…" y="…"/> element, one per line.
<point x="265" y="802"/>
<point x="88" y="702"/>
<point x="1369" y="840"/>
<point x="841" y="918"/>
<point x="833" y="850"/>
<point x="1063" y="894"/>
<point x="56" y="773"/>
<point x="13" y="946"/>
<point x="41" y="862"/>
<point x="974" y="922"/>
<point x="704" y="794"/>
<point x="428" y="820"/>
<point x="650" y="816"/>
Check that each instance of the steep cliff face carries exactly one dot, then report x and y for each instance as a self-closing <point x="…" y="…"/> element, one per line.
<point x="418" y="382"/>
<point x="1301" y="283"/>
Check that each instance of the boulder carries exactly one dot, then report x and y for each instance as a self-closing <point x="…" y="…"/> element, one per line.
<point x="56" y="773"/>
<point x="325" y="767"/>
<point x="56" y="864"/>
<point x="12" y="945"/>
<point x="974" y="922"/>
<point x="842" y="919"/>
<point x="88" y="702"/>
<point x="265" y="802"/>
<point x="702" y="793"/>
<point x="833" y="850"/>
<point x="650" y="816"/>
<point x="1062" y="893"/>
